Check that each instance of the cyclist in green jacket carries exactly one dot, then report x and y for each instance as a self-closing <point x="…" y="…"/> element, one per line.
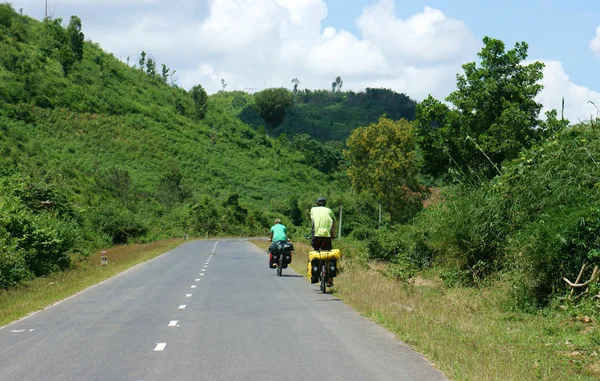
<point x="323" y="228"/>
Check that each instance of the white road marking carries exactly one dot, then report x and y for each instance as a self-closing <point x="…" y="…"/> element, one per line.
<point x="205" y="266"/>
<point x="197" y="280"/>
<point x="160" y="346"/>
<point x="194" y="286"/>
<point x="188" y="295"/>
<point x="201" y="274"/>
<point x="182" y="306"/>
<point x="203" y="270"/>
<point x="17" y="330"/>
<point x="173" y="323"/>
<point x="31" y="330"/>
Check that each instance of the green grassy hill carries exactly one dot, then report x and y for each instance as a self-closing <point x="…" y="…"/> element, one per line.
<point x="94" y="152"/>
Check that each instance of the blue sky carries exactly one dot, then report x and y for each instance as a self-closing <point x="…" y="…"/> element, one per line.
<point x="554" y="30"/>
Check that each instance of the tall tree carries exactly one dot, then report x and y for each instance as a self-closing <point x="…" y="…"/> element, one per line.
<point x="76" y="37"/>
<point x="384" y="165"/>
<point x="223" y="84"/>
<point x="142" y="60"/>
<point x="272" y="105"/>
<point x="339" y="83"/>
<point x="200" y="101"/>
<point x="165" y="72"/>
<point x="296" y="82"/>
<point x="151" y="67"/>
<point x="495" y="114"/>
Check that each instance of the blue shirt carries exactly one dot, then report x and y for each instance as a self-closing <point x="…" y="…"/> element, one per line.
<point x="279" y="233"/>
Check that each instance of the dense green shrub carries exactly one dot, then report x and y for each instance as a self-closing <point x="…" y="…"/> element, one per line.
<point x="13" y="266"/>
<point x="119" y="224"/>
<point x="403" y="243"/>
<point x="44" y="236"/>
<point x="539" y="219"/>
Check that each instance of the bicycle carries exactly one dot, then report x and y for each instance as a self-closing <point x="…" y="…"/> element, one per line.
<point x="324" y="263"/>
<point x="281" y="256"/>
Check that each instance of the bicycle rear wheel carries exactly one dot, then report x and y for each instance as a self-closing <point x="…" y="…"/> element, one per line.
<point x="323" y="278"/>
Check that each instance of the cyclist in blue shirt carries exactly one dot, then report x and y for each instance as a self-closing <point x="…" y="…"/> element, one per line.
<point x="278" y="234"/>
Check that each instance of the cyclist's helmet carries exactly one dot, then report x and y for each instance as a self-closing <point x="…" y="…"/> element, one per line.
<point x="321" y="201"/>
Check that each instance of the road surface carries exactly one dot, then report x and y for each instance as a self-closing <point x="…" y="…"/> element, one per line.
<point x="208" y="310"/>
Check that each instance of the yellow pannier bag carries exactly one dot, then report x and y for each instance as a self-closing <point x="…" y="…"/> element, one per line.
<point x="322" y="255"/>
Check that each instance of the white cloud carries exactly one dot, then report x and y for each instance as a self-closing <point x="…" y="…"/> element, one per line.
<point x="428" y="37"/>
<point x="258" y="42"/>
<point x="557" y="85"/>
<point x="266" y="43"/>
<point x="595" y="43"/>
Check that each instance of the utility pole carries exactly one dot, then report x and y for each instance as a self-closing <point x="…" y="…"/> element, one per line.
<point x="340" y="230"/>
<point x="46" y="12"/>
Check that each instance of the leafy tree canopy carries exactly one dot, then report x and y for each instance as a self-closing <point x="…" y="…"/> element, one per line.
<point x="384" y="164"/>
<point x="495" y="114"/>
<point x="272" y="105"/>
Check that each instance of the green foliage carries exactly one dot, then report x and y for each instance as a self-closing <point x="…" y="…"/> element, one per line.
<point x="76" y="37"/>
<point x="6" y="15"/>
<point x="402" y="244"/>
<point x="200" y="101"/>
<point x="151" y="67"/>
<point x="38" y="230"/>
<point x="384" y="164"/>
<point x="323" y="157"/>
<point x="272" y="105"/>
<point x="171" y="189"/>
<point x="495" y="115"/>
<point x="119" y="224"/>
<point x="142" y="60"/>
<point x="539" y="220"/>
<point x="204" y="217"/>
<point x="13" y="266"/>
<point x="327" y="116"/>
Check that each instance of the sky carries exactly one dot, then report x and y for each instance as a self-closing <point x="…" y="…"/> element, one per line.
<point x="414" y="47"/>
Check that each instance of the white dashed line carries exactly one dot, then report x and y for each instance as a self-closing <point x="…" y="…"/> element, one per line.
<point x="160" y="346"/>
<point x="182" y="306"/>
<point x="205" y="266"/>
<point x="188" y="295"/>
<point x="173" y="323"/>
<point x="198" y="280"/>
<point x="194" y="286"/>
<point x="203" y="270"/>
<point x="201" y="274"/>
<point x="17" y="330"/>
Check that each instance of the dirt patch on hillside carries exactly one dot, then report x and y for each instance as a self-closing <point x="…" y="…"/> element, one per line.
<point x="434" y="198"/>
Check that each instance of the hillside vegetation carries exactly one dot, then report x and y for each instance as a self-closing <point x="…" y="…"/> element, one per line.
<point x="96" y="153"/>
<point x="332" y="116"/>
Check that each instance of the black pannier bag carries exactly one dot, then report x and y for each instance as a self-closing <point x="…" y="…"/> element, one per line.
<point x="315" y="270"/>
<point x="333" y="267"/>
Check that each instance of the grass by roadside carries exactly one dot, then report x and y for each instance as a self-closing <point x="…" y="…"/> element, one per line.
<point x="43" y="292"/>
<point x="464" y="331"/>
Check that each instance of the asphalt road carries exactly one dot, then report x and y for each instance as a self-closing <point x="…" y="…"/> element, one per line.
<point x="194" y="315"/>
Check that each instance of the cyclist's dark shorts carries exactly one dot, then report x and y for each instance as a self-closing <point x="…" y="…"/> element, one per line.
<point x="323" y="243"/>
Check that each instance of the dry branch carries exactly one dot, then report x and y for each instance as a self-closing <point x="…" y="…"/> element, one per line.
<point x="595" y="274"/>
